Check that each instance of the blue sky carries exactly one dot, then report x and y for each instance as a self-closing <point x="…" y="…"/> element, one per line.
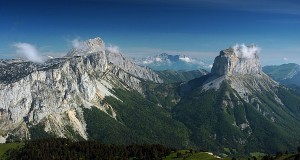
<point x="199" y="28"/>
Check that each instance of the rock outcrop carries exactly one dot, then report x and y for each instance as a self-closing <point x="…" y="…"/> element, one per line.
<point x="87" y="47"/>
<point x="240" y="66"/>
<point x="234" y="61"/>
<point x="97" y="46"/>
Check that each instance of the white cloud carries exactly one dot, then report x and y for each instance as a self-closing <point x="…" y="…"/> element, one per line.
<point x="147" y="61"/>
<point x="244" y="51"/>
<point x="28" y="51"/>
<point x="157" y="59"/>
<point x="78" y="44"/>
<point x="285" y="59"/>
<point x="186" y="59"/>
<point x="113" y="48"/>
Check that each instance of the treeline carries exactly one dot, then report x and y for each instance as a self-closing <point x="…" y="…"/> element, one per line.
<point x="65" y="149"/>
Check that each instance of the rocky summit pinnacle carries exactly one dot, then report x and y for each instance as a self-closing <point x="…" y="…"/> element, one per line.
<point x="86" y="47"/>
<point x="237" y="60"/>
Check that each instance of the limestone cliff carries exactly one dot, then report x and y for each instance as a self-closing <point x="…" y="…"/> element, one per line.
<point x="233" y="62"/>
<point x="241" y="66"/>
<point x="56" y="91"/>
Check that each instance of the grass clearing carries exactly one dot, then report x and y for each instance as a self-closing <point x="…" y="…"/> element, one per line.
<point x="6" y="146"/>
<point x="189" y="156"/>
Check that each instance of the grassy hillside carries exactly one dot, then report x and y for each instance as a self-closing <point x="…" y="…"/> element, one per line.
<point x="164" y="95"/>
<point x="138" y="121"/>
<point x="191" y="155"/>
<point x="7" y="146"/>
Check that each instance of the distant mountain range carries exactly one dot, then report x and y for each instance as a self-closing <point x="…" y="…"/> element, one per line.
<point x="166" y="61"/>
<point x="287" y="74"/>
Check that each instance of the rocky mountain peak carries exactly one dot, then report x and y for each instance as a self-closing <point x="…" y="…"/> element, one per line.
<point x="95" y="49"/>
<point x="95" y="43"/>
<point x="237" y="60"/>
<point x="86" y="47"/>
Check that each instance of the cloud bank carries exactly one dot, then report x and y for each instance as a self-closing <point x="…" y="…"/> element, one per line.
<point x="243" y="51"/>
<point x="28" y="51"/>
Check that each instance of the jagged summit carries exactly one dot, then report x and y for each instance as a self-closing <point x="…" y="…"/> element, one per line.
<point x="86" y="47"/>
<point x="237" y="60"/>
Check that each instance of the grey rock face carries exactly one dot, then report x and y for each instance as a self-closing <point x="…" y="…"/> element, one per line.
<point x="229" y="62"/>
<point x="132" y="68"/>
<point x="89" y="46"/>
<point x="54" y="93"/>
<point x="240" y="65"/>
<point x="96" y="45"/>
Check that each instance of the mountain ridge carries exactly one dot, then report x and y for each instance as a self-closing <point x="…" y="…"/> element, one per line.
<point x="287" y="74"/>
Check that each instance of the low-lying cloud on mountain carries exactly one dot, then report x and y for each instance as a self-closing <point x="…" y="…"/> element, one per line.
<point x="113" y="48"/>
<point x="28" y="51"/>
<point x="78" y="44"/>
<point x="31" y="53"/>
<point x="244" y="51"/>
<point x="186" y="59"/>
<point x="84" y="46"/>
